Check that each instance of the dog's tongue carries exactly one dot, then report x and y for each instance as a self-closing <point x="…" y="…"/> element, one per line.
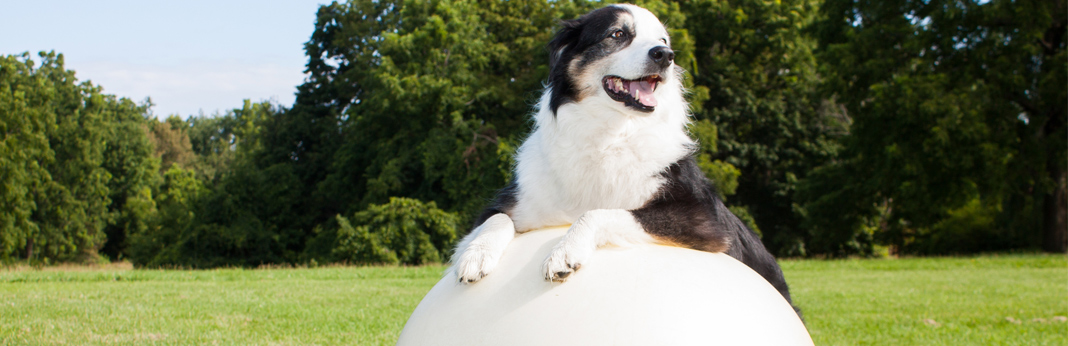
<point x="642" y="91"/>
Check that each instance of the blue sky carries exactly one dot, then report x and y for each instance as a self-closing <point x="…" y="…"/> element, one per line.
<point x="188" y="55"/>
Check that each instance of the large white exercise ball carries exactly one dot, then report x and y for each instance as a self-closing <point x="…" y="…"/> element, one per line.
<point x="639" y="295"/>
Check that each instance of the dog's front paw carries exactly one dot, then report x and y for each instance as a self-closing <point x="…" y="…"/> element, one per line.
<point x="474" y="264"/>
<point x="564" y="260"/>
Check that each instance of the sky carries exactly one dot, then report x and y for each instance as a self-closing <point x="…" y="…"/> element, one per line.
<point x="188" y="56"/>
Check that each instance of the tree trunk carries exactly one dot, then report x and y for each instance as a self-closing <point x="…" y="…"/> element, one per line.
<point x="29" y="249"/>
<point x="1055" y="213"/>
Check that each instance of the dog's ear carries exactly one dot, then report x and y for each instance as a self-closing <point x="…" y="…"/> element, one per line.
<point x="569" y="34"/>
<point x="561" y="50"/>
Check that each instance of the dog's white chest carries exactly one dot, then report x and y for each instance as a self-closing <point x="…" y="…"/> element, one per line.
<point x="608" y="175"/>
<point x="588" y="163"/>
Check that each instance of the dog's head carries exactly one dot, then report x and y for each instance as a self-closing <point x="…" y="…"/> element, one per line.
<point x="619" y="52"/>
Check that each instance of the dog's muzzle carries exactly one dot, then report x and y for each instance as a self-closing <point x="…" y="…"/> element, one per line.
<point x="634" y="93"/>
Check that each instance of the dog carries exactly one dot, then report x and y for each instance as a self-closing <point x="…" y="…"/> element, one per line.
<point x="610" y="155"/>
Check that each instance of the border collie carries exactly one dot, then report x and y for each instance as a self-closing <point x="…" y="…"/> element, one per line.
<point x="610" y="155"/>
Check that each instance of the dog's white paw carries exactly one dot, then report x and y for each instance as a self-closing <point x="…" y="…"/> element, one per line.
<point x="479" y="251"/>
<point x="566" y="258"/>
<point x="474" y="264"/>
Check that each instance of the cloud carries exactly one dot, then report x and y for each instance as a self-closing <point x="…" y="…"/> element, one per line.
<point x="190" y="87"/>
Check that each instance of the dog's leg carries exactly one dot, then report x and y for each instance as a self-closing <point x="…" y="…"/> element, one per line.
<point x="595" y="228"/>
<point x="479" y="251"/>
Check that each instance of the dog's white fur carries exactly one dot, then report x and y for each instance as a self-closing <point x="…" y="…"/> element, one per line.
<point x="590" y="164"/>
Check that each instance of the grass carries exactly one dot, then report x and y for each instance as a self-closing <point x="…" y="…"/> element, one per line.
<point x="989" y="300"/>
<point x="326" y="306"/>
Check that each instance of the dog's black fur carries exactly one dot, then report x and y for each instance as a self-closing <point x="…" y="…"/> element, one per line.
<point x="686" y="211"/>
<point x="581" y="39"/>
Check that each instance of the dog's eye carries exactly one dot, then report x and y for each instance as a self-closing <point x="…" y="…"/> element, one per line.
<point x="663" y="40"/>
<point x="617" y="34"/>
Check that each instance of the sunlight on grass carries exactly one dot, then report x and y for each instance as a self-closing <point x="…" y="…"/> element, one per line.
<point x="991" y="300"/>
<point x="339" y="305"/>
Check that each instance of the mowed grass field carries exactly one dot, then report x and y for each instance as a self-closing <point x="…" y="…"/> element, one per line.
<point x="988" y="300"/>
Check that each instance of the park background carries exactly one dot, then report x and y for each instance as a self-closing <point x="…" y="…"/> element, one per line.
<point x="834" y="128"/>
<point x="865" y="141"/>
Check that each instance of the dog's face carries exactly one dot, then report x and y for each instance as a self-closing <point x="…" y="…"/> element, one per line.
<point x="620" y="52"/>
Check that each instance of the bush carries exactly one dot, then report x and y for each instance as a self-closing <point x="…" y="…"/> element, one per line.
<point x="403" y="231"/>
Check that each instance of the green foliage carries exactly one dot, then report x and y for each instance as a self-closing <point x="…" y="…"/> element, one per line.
<point x="159" y="242"/>
<point x="129" y="160"/>
<point x="212" y="140"/>
<point x="969" y="228"/>
<point x="221" y="207"/>
<point x="25" y="148"/>
<point x="723" y="175"/>
<point x="171" y="143"/>
<point x="836" y="212"/>
<point x="743" y="214"/>
<point x="72" y="159"/>
<point x="755" y="79"/>
<point x="830" y="127"/>
<point x="959" y="111"/>
<point x="404" y="231"/>
<point x="425" y="101"/>
<point x="442" y="96"/>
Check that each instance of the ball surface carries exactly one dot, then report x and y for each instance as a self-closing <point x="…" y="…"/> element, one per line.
<point x="637" y="295"/>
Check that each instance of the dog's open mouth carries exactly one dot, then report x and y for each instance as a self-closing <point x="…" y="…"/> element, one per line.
<point x="635" y="93"/>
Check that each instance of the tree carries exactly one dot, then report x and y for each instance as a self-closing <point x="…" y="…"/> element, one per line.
<point x="64" y="208"/>
<point x="420" y="100"/>
<point x="221" y="207"/>
<point x="77" y="165"/>
<point x="170" y="139"/>
<point x="959" y="113"/>
<point x="160" y="242"/>
<point x="129" y="160"/>
<point x="431" y="98"/>
<point x="756" y="66"/>
<point x="25" y="147"/>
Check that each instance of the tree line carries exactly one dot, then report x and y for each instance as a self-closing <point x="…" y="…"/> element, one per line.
<point x="834" y="128"/>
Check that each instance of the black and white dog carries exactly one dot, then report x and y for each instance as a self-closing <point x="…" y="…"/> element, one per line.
<point x="610" y="155"/>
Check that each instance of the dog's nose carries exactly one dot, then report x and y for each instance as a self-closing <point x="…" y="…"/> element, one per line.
<point x="662" y="55"/>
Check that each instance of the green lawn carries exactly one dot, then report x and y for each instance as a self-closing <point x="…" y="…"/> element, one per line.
<point x="991" y="300"/>
<point x="326" y="306"/>
<point x="925" y="301"/>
